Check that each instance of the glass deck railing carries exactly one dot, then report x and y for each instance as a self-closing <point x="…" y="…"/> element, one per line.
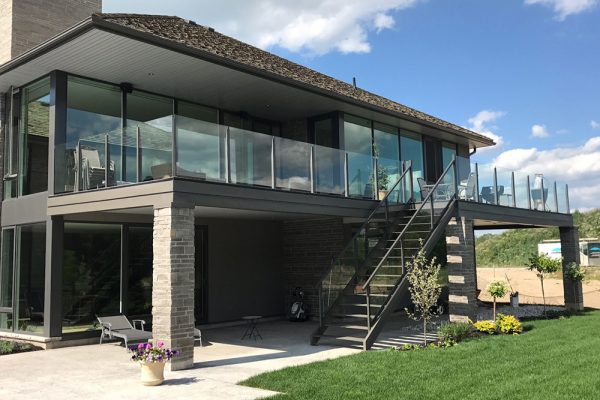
<point x="487" y="184"/>
<point x="218" y="153"/>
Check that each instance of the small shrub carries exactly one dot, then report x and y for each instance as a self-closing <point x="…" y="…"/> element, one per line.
<point x="454" y="332"/>
<point x="508" y="324"/>
<point x="408" y="347"/>
<point x="9" y="347"/>
<point x="485" y="326"/>
<point x="575" y="272"/>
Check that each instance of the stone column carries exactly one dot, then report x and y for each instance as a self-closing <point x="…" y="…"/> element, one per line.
<point x="569" y="244"/>
<point x="462" y="278"/>
<point x="173" y="282"/>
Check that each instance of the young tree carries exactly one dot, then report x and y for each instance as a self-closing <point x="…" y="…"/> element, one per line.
<point x="497" y="289"/>
<point x="543" y="265"/>
<point x="424" y="288"/>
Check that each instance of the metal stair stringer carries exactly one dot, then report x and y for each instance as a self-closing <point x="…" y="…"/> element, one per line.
<point x="394" y="298"/>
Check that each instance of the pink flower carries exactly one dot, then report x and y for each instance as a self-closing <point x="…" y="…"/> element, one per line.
<point x="148" y="346"/>
<point x="141" y="346"/>
<point x="160" y="344"/>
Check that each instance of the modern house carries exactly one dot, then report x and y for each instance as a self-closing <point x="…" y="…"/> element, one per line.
<point x="157" y="168"/>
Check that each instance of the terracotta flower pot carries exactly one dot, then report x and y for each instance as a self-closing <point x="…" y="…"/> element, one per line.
<point x="382" y="194"/>
<point x="153" y="374"/>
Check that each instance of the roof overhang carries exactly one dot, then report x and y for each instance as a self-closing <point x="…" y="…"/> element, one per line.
<point x="114" y="53"/>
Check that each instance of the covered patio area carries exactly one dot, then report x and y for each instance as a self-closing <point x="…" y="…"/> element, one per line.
<point x="105" y="371"/>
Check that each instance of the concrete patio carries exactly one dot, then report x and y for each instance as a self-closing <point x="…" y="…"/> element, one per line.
<point x="105" y="371"/>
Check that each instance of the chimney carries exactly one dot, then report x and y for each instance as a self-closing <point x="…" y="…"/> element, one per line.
<point x="26" y="23"/>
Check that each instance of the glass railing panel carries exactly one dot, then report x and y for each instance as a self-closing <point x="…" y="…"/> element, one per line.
<point x="521" y="190"/>
<point x="200" y="149"/>
<point x="90" y="164"/>
<point x="388" y="173"/>
<point x="292" y="165"/>
<point x="360" y="176"/>
<point x="539" y="192"/>
<point x="155" y="152"/>
<point x="250" y="157"/>
<point x="562" y="194"/>
<point x="487" y="191"/>
<point x="504" y="185"/>
<point x="551" y="200"/>
<point x="329" y="170"/>
<point x="467" y="179"/>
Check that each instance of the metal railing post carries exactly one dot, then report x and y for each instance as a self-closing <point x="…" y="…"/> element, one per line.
<point x="368" y="293"/>
<point x="477" y="182"/>
<point x="138" y="156"/>
<point x="273" y="162"/>
<point x="529" y="192"/>
<point x="411" y="179"/>
<point x="346" y="183"/>
<point x="496" y="197"/>
<point x="79" y="167"/>
<point x="432" y="208"/>
<point x="512" y="184"/>
<point x="567" y="197"/>
<point x="375" y="179"/>
<point x="543" y="197"/>
<point x="106" y="160"/>
<point x="455" y="167"/>
<point x="227" y="155"/>
<point x="312" y="168"/>
<point x="555" y="197"/>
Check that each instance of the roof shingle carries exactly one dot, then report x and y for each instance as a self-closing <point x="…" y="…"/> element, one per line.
<point x="206" y="39"/>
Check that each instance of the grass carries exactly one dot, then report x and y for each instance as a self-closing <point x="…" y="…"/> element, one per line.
<point x="554" y="359"/>
<point x="11" y="347"/>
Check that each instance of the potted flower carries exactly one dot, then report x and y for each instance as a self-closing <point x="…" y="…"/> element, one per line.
<point x="514" y="295"/>
<point x="383" y="180"/>
<point x="152" y="360"/>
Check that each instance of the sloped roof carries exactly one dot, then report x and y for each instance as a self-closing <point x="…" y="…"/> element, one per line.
<point x="198" y="37"/>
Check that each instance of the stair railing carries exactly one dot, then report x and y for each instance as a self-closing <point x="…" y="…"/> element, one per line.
<point x="340" y="274"/>
<point x="429" y="199"/>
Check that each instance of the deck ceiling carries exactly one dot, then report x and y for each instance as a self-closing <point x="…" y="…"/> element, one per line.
<point x="115" y="58"/>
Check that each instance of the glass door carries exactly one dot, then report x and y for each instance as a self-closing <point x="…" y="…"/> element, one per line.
<point x="201" y="277"/>
<point x="7" y="279"/>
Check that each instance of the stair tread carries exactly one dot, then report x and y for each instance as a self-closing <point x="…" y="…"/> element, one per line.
<point x="351" y="315"/>
<point x="341" y="337"/>
<point x="360" y="305"/>
<point x="351" y="327"/>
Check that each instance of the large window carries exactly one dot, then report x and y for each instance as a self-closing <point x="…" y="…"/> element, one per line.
<point x="200" y="142"/>
<point x="34" y="132"/>
<point x="93" y="112"/>
<point x="411" y="148"/>
<point x="387" y="150"/>
<point x="358" y="143"/>
<point x="139" y="273"/>
<point x="91" y="274"/>
<point x="22" y="278"/>
<point x="151" y="116"/>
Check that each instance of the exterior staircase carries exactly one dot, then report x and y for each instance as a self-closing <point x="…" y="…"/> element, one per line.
<point x="367" y="281"/>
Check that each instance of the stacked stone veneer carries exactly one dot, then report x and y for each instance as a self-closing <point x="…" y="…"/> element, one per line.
<point x="462" y="276"/>
<point x="569" y="244"/>
<point x="27" y="23"/>
<point x="173" y="282"/>
<point x="308" y="248"/>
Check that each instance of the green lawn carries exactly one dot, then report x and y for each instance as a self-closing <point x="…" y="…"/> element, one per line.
<point x="554" y="359"/>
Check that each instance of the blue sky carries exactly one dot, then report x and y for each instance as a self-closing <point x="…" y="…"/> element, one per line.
<point x="526" y="72"/>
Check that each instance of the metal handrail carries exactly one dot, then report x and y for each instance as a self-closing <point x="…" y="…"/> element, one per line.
<point x="383" y="202"/>
<point x="429" y="195"/>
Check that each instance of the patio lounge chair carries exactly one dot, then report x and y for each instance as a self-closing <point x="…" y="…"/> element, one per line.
<point x="118" y="326"/>
<point x="466" y="190"/>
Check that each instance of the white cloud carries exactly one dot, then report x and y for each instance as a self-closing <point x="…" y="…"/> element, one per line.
<point x="482" y="123"/>
<point x="594" y="124"/>
<point x="578" y="166"/>
<point x="308" y="26"/>
<point x="563" y="8"/>
<point x="539" y="131"/>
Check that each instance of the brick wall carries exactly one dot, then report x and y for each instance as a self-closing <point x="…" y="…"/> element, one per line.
<point x="462" y="276"/>
<point x="308" y="247"/>
<point x="27" y="23"/>
<point x="2" y="128"/>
